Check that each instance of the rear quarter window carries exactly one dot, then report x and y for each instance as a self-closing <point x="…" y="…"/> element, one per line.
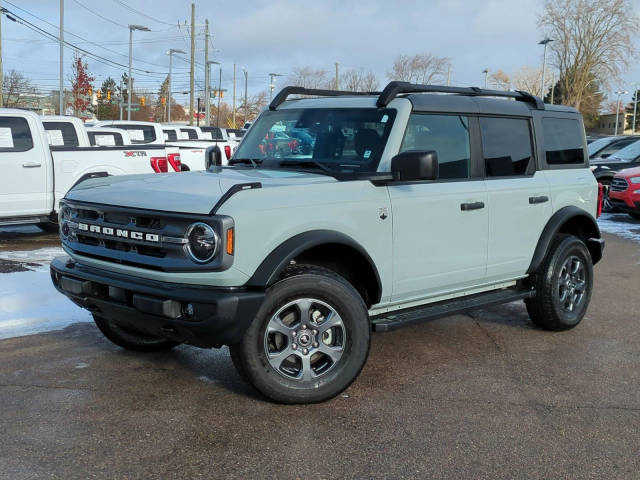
<point x="563" y="141"/>
<point x="139" y="133"/>
<point x="15" y="135"/>
<point x="61" y="133"/>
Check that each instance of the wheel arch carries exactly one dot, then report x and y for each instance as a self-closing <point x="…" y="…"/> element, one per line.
<point x="571" y="220"/>
<point x="327" y="248"/>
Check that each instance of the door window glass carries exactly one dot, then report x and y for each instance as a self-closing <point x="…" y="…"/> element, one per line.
<point x="563" y="139"/>
<point x="15" y="135"/>
<point x="61" y="133"/>
<point x="447" y="135"/>
<point x="506" y="145"/>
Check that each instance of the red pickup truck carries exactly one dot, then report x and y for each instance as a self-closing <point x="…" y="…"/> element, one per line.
<point x="624" y="192"/>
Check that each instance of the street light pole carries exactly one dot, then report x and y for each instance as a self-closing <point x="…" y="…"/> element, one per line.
<point x="61" y="91"/>
<point x="486" y="76"/>
<point x="130" y="87"/>
<point x="544" y="42"/>
<point x="219" y="95"/>
<point x="635" y="105"/>
<point x="207" y="90"/>
<point x="246" y="83"/>
<point x="619" y="92"/>
<point x="272" y="83"/>
<point x="171" y="52"/>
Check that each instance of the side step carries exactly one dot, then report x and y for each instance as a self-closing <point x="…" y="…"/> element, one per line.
<point x="403" y="318"/>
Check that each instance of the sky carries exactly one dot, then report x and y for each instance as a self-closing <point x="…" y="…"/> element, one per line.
<point x="278" y="36"/>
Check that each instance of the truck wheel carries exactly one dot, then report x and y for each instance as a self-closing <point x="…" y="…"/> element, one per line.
<point x="132" y="340"/>
<point x="563" y="285"/>
<point x="309" y="340"/>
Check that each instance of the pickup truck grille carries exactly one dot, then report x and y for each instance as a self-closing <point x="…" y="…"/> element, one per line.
<point x="619" y="184"/>
<point x="138" y="238"/>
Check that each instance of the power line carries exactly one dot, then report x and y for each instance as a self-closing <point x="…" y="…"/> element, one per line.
<point x="98" y="15"/>
<point x="141" y="13"/>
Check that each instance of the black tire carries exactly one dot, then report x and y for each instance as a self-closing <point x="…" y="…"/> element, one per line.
<point x="184" y="168"/>
<point x="237" y="362"/>
<point x="320" y="288"/>
<point x="547" y="309"/>
<point x="635" y="215"/>
<point x="51" y="227"/>
<point x="132" y="340"/>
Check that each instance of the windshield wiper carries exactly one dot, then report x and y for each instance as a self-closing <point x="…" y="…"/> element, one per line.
<point x="308" y="163"/>
<point x="253" y="161"/>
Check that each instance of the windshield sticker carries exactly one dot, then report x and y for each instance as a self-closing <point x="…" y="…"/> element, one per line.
<point x="55" y="137"/>
<point x="384" y="119"/>
<point x="105" y="140"/>
<point x="367" y="153"/>
<point x="136" y="135"/>
<point x="6" y="139"/>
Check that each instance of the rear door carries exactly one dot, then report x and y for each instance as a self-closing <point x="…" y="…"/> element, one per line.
<point x="24" y="164"/>
<point x="519" y="196"/>
<point x="440" y="227"/>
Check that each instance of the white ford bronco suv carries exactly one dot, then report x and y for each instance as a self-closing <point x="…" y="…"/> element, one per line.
<point x="410" y="203"/>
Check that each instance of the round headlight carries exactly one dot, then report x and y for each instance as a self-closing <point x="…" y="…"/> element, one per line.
<point x="202" y="242"/>
<point x="63" y="218"/>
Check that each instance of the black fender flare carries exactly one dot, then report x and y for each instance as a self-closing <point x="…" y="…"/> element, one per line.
<point x="271" y="267"/>
<point x="89" y="175"/>
<point x="604" y="173"/>
<point x="555" y="224"/>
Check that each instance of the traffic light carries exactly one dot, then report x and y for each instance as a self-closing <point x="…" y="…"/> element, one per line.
<point x="109" y="95"/>
<point x="215" y="93"/>
<point x="163" y="100"/>
<point x="221" y="93"/>
<point x="99" y="94"/>
<point x="90" y="91"/>
<point x="142" y="101"/>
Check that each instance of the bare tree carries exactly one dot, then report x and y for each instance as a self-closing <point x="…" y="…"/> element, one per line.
<point x="15" y="86"/>
<point x="359" y="81"/>
<point x="527" y="79"/>
<point x="500" y="80"/>
<point x="422" y="68"/>
<point x="310" y="77"/>
<point x="593" y="42"/>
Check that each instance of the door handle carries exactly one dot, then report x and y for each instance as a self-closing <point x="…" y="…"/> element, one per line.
<point x="31" y="165"/>
<point x="471" y="206"/>
<point x="539" y="199"/>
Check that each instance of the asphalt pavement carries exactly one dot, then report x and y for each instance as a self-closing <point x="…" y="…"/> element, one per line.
<point x="484" y="395"/>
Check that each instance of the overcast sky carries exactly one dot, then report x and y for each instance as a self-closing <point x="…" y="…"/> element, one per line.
<point x="279" y="35"/>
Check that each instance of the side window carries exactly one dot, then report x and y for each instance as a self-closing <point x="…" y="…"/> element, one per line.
<point x="61" y="133"/>
<point x="506" y="146"/>
<point x="15" y="135"/>
<point x="448" y="135"/>
<point x="193" y="135"/>
<point x="563" y="141"/>
<point x="170" y="135"/>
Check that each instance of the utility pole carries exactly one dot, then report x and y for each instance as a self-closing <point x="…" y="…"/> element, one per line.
<point x="193" y="60"/>
<point x="207" y="70"/>
<point x="219" y="95"/>
<point x="619" y="92"/>
<point x="635" y="108"/>
<point x="246" y="83"/>
<point x="1" y="72"/>
<point x="486" y="76"/>
<point x="198" y="124"/>
<point x="449" y="75"/>
<point x="171" y="52"/>
<point x="337" y="76"/>
<point x="234" y="96"/>
<point x="121" y="100"/>
<point x="61" y="39"/>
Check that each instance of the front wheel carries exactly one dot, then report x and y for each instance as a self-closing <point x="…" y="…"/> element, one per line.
<point x="563" y="285"/>
<point x="309" y="340"/>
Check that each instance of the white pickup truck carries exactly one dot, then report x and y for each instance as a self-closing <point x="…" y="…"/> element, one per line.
<point x="103" y="136"/>
<point x="37" y="175"/>
<point x="199" y="146"/>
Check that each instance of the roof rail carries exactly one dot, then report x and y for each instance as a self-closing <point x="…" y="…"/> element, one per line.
<point x="393" y="89"/>
<point x="286" y="91"/>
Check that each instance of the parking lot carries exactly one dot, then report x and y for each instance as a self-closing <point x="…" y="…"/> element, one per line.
<point x="483" y="395"/>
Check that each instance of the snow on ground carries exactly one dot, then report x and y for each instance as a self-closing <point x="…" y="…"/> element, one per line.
<point x="41" y="255"/>
<point x="30" y="304"/>
<point x="20" y="229"/>
<point x="620" y="224"/>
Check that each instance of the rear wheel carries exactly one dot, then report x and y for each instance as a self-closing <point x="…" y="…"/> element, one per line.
<point x="309" y="340"/>
<point x="563" y="285"/>
<point x="130" y="339"/>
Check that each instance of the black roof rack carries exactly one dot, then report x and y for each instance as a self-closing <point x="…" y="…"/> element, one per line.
<point x="393" y="89"/>
<point x="286" y="91"/>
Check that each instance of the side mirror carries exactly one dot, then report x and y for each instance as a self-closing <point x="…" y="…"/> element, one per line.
<point x="415" y="165"/>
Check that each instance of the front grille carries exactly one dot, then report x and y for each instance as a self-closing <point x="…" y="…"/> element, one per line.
<point x="619" y="184"/>
<point x="139" y="238"/>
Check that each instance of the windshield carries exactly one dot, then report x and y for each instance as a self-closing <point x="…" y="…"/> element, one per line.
<point x="339" y="140"/>
<point x="628" y="153"/>
<point x="597" y="145"/>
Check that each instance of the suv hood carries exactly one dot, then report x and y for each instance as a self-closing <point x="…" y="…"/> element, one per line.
<point x="185" y="192"/>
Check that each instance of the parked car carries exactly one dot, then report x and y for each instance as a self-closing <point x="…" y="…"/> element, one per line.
<point x="199" y="147"/>
<point x="37" y="175"/>
<point x="104" y="136"/>
<point x="624" y="192"/>
<point x="431" y="205"/>
<point x="603" y="147"/>
<point x="604" y="169"/>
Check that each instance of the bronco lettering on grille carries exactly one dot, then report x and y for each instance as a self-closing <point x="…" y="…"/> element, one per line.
<point x="119" y="232"/>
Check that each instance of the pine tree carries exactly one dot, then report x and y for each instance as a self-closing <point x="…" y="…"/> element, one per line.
<point x="80" y="86"/>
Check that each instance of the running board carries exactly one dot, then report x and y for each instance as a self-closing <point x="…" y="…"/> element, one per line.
<point x="403" y="318"/>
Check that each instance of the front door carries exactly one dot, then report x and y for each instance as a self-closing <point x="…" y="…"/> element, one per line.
<point x="439" y="227"/>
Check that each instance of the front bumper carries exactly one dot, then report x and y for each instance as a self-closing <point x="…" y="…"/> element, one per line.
<point x="197" y="315"/>
<point x="627" y="201"/>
